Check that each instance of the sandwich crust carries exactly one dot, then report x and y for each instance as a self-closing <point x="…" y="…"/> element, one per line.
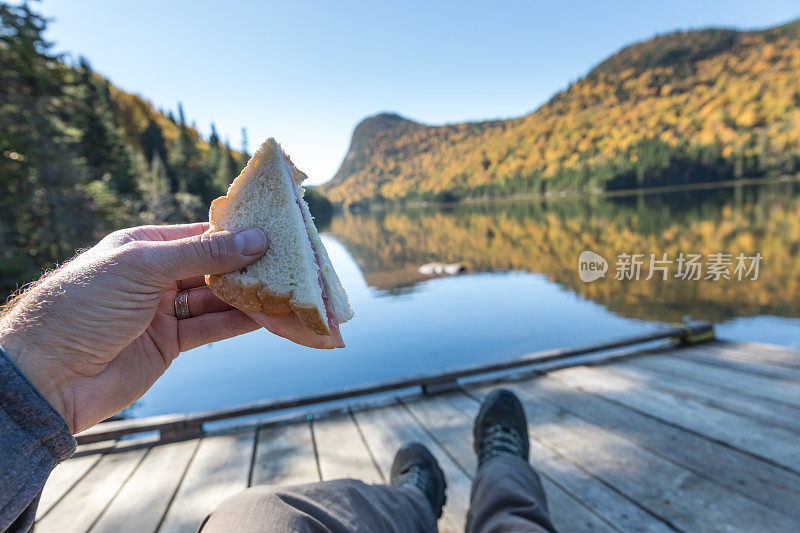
<point x="249" y="297"/>
<point x="256" y="296"/>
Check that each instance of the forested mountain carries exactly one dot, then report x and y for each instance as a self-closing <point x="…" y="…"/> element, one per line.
<point x="80" y="157"/>
<point x="680" y="108"/>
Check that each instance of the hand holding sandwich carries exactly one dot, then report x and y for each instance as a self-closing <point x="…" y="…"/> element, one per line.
<point x="95" y="334"/>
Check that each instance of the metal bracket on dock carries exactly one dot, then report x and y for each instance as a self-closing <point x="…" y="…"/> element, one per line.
<point x="441" y="386"/>
<point x="695" y="333"/>
<point x="182" y="431"/>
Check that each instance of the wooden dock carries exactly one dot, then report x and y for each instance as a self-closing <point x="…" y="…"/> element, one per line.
<point x="703" y="438"/>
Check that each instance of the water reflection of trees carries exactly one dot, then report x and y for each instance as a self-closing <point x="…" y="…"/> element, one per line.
<point x="547" y="238"/>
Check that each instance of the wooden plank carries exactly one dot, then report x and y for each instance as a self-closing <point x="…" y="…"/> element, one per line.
<point x="450" y="427"/>
<point x="712" y="357"/>
<point x="567" y="514"/>
<point x="777" y="414"/>
<point x="582" y="499"/>
<point x="342" y="452"/>
<point x="82" y="505"/>
<point x="63" y="477"/>
<point x="387" y="429"/>
<point x="285" y="456"/>
<point x="753" y="351"/>
<point x="751" y="385"/>
<point x="220" y="468"/>
<point x="144" y="499"/>
<point x="676" y="495"/>
<point x="768" y="442"/>
<point x="754" y="478"/>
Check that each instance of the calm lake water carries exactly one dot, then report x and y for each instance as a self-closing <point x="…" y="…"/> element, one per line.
<point x="520" y="291"/>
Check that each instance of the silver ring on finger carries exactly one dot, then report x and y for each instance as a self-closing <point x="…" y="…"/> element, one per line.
<point x="182" y="305"/>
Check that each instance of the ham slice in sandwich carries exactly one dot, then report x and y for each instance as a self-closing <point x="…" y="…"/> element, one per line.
<point x="293" y="289"/>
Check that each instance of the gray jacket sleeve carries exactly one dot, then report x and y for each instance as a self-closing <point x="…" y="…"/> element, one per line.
<point x="33" y="439"/>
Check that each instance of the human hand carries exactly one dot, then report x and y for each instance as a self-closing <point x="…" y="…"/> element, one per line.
<point x="94" y="335"/>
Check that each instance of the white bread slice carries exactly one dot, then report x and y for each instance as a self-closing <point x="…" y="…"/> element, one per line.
<point x="295" y="275"/>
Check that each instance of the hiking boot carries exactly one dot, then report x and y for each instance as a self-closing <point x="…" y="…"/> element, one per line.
<point x="500" y="427"/>
<point x="415" y="466"/>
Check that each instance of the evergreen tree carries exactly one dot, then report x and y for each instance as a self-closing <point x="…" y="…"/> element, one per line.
<point x="156" y="192"/>
<point x="102" y="144"/>
<point x="185" y="161"/>
<point x="234" y="165"/>
<point x="213" y="139"/>
<point x="244" y="142"/>
<point x="217" y="168"/>
<point x="181" y="115"/>
<point x="152" y="140"/>
<point x="224" y="172"/>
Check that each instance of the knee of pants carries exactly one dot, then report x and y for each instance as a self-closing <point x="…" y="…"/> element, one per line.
<point x="250" y="509"/>
<point x="268" y="495"/>
<point x="262" y="495"/>
<point x="273" y="508"/>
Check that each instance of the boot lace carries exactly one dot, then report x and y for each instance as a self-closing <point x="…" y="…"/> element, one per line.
<point x="500" y="440"/>
<point x="413" y="476"/>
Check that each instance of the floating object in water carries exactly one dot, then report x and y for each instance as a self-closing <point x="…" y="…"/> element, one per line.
<point x="441" y="269"/>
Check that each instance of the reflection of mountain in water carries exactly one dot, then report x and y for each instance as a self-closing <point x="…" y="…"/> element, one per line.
<point x="547" y="238"/>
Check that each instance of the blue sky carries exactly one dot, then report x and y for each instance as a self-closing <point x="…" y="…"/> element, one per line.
<point x="308" y="72"/>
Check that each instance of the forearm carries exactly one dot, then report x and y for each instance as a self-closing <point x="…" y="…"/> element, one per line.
<point x="33" y="439"/>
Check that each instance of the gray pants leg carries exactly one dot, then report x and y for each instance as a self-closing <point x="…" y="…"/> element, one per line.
<point x="507" y="495"/>
<point x="340" y="506"/>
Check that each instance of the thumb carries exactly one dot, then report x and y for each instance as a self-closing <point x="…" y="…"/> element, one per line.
<point x="210" y="253"/>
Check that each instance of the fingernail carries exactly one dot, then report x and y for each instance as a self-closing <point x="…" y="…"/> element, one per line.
<point x="251" y="241"/>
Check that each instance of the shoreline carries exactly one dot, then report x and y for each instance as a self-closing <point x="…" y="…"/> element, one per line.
<point x="572" y="195"/>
